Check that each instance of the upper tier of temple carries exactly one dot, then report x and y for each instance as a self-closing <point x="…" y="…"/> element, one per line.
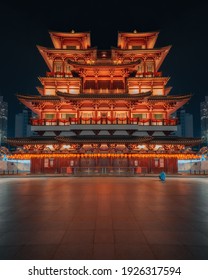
<point x="73" y="51"/>
<point x="126" y="77"/>
<point x="81" y="40"/>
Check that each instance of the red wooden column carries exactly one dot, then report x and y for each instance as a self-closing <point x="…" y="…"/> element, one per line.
<point x="150" y="114"/>
<point x="154" y="66"/>
<point x="139" y="87"/>
<point x="32" y="166"/>
<point x="111" y="112"/>
<point x="96" y="107"/>
<point x="129" y="112"/>
<point x="175" y="169"/>
<point x="57" y="114"/>
<point x="77" y="111"/>
<point x="166" y="165"/>
<point x="166" y="114"/>
<point x="63" y="68"/>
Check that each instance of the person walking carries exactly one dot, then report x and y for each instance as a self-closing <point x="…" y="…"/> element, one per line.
<point x="162" y="176"/>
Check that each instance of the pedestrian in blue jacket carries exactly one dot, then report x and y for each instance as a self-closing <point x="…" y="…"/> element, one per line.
<point x="162" y="176"/>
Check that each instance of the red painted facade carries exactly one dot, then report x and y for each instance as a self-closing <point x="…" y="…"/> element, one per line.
<point x="102" y="166"/>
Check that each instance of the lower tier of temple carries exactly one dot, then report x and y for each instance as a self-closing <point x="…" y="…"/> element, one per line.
<point x="103" y="165"/>
<point x="103" y="154"/>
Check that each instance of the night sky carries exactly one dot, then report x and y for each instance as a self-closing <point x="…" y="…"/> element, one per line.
<point x="23" y="26"/>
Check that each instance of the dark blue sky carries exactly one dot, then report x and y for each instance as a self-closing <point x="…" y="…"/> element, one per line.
<point x="23" y="26"/>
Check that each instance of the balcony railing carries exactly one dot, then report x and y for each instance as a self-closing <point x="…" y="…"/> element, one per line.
<point x="103" y="90"/>
<point x="148" y="74"/>
<point x="104" y="121"/>
<point x="58" y="74"/>
<point x="139" y="74"/>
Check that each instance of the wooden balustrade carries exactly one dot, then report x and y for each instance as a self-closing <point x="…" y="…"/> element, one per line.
<point x="106" y="120"/>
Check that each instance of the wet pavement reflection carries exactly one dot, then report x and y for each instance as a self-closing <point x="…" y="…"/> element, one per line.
<point x="103" y="218"/>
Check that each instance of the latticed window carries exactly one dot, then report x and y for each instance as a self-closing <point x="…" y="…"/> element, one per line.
<point x="49" y="116"/>
<point x="121" y="114"/>
<point x="67" y="116"/>
<point x="58" y="67"/>
<point x="149" y="67"/>
<point x="51" y="162"/>
<point x="48" y="162"/>
<point x="140" y="116"/>
<point x="158" y="116"/>
<point x="140" y="68"/>
<point x="162" y="163"/>
<point x="86" y="114"/>
<point x="67" y="69"/>
<point x="156" y="162"/>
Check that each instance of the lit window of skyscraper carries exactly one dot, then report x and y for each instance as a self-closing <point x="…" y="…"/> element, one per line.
<point x="3" y="120"/>
<point x="204" y="119"/>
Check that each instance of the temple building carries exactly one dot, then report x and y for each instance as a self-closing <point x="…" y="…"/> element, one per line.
<point x="104" y="111"/>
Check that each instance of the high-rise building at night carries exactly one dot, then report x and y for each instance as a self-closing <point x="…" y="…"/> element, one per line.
<point x="104" y="111"/>
<point x="3" y="120"/>
<point x="185" y="126"/>
<point x="22" y="124"/>
<point x="204" y="120"/>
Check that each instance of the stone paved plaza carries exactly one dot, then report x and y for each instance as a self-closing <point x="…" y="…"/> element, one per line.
<point x="103" y="218"/>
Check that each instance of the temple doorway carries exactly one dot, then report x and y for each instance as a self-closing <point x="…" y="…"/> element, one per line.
<point x="104" y="166"/>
